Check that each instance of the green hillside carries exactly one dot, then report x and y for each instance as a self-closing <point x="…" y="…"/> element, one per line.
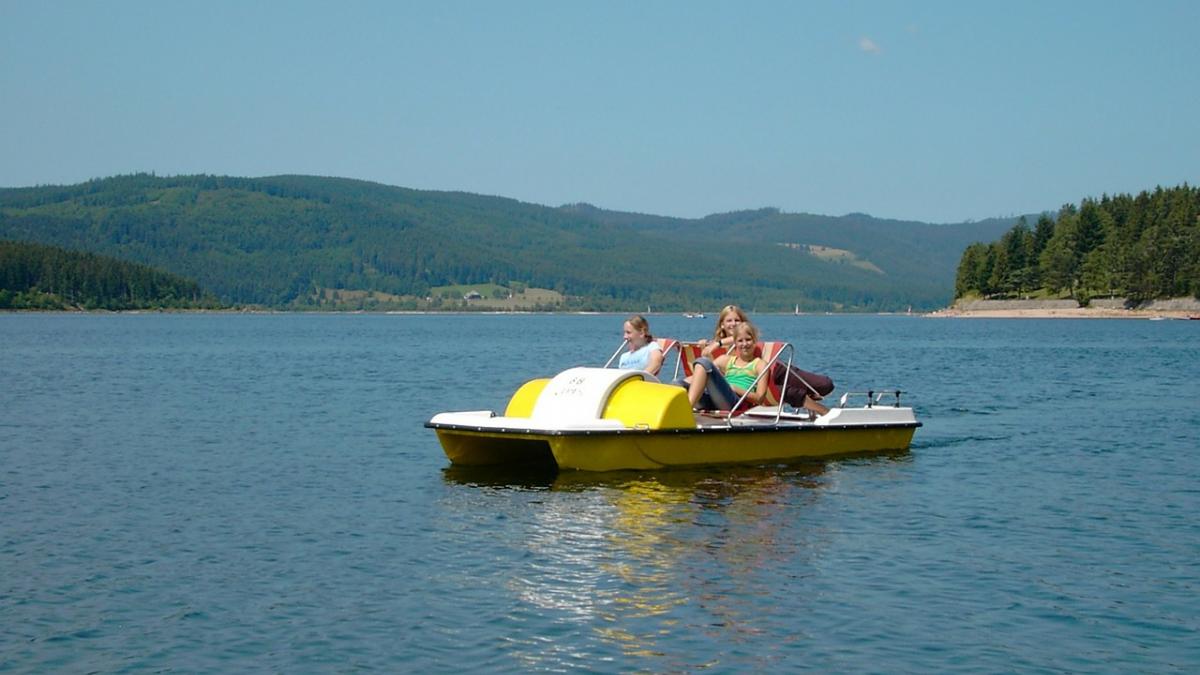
<point x="916" y="259"/>
<point x="36" y="276"/>
<point x="288" y="241"/>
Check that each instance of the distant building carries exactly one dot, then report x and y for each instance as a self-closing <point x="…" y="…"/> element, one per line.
<point x="473" y="295"/>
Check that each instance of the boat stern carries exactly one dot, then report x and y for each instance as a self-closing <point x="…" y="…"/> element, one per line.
<point x="561" y="420"/>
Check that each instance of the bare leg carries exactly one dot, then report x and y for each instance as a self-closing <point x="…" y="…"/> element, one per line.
<point x="814" y="406"/>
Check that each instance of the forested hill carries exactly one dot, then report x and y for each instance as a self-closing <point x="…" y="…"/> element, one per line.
<point x="1137" y="247"/>
<point x="284" y="241"/>
<point x="910" y="253"/>
<point x="35" y="276"/>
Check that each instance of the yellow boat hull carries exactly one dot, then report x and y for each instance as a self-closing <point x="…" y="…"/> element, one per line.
<point x="603" y="420"/>
<point x="633" y="449"/>
<point x="722" y="446"/>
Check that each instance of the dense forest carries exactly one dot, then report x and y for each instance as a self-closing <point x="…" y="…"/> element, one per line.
<point x="35" y="276"/>
<point x="1139" y="248"/>
<point x="304" y="242"/>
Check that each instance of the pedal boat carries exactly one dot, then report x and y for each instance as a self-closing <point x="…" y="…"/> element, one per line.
<point x="602" y="419"/>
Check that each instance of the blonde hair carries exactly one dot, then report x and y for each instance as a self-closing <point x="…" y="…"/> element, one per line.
<point x="746" y="327"/>
<point x="719" y="332"/>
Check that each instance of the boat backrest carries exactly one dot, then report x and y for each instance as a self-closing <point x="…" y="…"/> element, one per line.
<point x="768" y="350"/>
<point x="689" y="352"/>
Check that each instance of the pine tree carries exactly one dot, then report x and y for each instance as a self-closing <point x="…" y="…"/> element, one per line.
<point x="966" y="279"/>
<point x="1057" y="262"/>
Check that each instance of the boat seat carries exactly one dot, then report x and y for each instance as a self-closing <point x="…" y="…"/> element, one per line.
<point x="766" y="350"/>
<point x="688" y="353"/>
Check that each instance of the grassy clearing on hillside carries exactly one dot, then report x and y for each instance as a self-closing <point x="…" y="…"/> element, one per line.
<point x="835" y="255"/>
<point x="459" y="297"/>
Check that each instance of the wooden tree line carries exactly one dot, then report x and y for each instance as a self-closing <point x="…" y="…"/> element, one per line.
<point x="35" y="276"/>
<point x="1141" y="248"/>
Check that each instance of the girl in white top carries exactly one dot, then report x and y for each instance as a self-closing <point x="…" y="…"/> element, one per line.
<point x="644" y="352"/>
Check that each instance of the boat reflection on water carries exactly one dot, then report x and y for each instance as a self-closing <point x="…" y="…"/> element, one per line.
<point x="657" y="563"/>
<point x="547" y="476"/>
<point x="529" y="477"/>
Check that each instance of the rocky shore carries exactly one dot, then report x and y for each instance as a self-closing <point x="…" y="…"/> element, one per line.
<point x="1098" y="308"/>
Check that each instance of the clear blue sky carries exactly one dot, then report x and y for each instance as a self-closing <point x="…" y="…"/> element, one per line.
<point x="932" y="111"/>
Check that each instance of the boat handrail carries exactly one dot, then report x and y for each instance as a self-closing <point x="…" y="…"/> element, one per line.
<point x="873" y="397"/>
<point x="617" y="353"/>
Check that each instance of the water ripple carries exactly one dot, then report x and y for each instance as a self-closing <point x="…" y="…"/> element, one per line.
<point x="216" y="493"/>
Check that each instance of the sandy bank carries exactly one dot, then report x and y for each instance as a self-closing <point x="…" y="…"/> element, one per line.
<point x="1117" y="308"/>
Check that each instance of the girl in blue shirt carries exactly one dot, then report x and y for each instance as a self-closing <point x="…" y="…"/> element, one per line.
<point x="644" y="352"/>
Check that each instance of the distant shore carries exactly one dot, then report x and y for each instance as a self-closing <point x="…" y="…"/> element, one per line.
<point x="1186" y="308"/>
<point x="1105" y="308"/>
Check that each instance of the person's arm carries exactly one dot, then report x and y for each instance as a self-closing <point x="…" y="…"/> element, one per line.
<point x="654" y="361"/>
<point x="760" y="392"/>
<point x="711" y="346"/>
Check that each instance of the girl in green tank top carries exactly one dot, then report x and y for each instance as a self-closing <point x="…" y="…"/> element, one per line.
<point x="742" y="376"/>
<point x="721" y="382"/>
<point x="740" y="366"/>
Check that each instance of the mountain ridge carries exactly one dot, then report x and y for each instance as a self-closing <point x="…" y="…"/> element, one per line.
<point x="277" y="241"/>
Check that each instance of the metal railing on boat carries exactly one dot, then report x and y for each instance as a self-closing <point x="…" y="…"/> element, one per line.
<point x="873" y="397"/>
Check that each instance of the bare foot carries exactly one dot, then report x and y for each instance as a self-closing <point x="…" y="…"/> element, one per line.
<point x="814" y="407"/>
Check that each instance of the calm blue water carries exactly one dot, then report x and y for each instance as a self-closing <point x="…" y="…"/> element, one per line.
<point x="225" y="492"/>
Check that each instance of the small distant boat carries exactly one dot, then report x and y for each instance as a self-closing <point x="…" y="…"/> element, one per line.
<point x="604" y="419"/>
<point x="693" y="315"/>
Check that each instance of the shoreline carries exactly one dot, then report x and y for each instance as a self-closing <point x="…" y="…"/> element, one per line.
<point x="1099" y="308"/>
<point x="1063" y="313"/>
<point x="1028" y="310"/>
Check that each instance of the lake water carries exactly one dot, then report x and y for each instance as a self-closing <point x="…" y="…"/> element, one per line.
<point x="257" y="493"/>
